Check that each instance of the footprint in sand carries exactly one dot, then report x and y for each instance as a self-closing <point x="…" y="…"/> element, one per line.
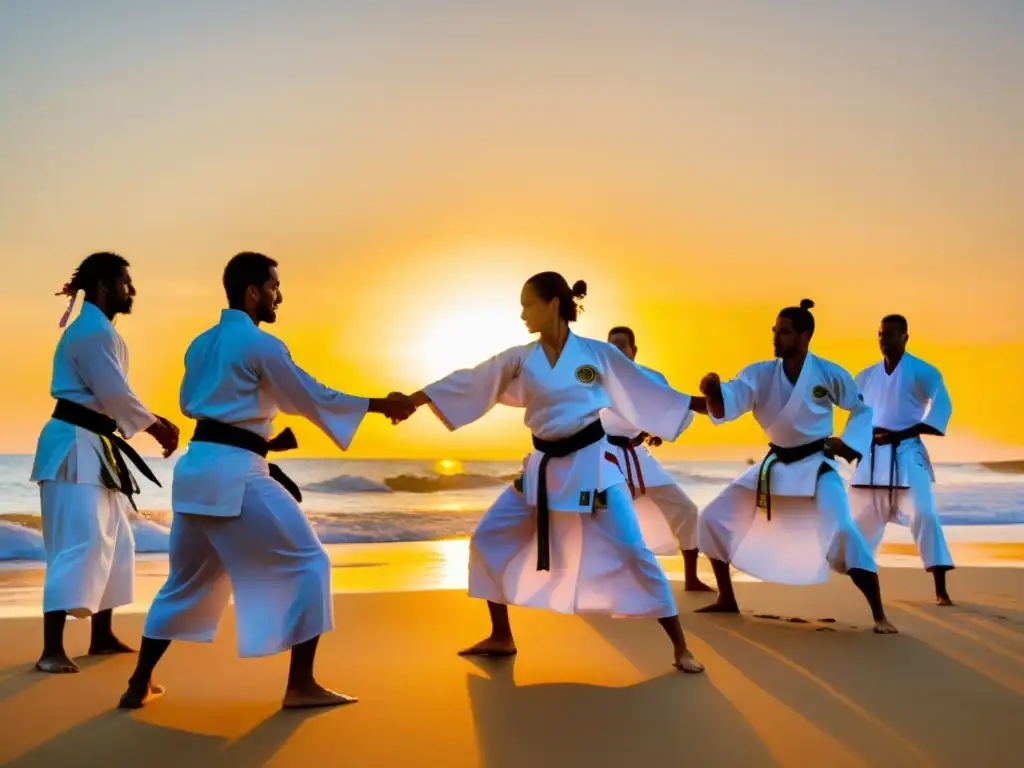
<point x="826" y="621"/>
<point x="773" y="617"/>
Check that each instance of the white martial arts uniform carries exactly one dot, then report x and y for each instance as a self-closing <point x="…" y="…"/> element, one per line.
<point x="913" y="394"/>
<point x="236" y="529"/>
<point x="811" y="527"/>
<point x="90" y="550"/>
<point x="667" y="516"/>
<point x="599" y="561"/>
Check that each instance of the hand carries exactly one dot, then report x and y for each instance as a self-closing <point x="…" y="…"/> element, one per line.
<point x="710" y="384"/>
<point x="398" y="407"/>
<point x="165" y="433"/>
<point x="834" y="446"/>
<point x="711" y="388"/>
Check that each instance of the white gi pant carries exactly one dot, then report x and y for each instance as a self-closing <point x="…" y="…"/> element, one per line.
<point x="599" y="561"/>
<point x="916" y="505"/>
<point x="805" y="537"/>
<point x="668" y="519"/>
<point x="90" y="549"/>
<point x="667" y="516"/>
<point x="269" y="556"/>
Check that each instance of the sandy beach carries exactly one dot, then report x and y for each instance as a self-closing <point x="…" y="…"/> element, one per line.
<point x="586" y="691"/>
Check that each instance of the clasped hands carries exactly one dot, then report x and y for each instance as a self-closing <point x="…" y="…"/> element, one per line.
<point x="398" y="407"/>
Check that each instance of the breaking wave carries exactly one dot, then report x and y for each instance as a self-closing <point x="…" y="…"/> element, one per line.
<point x="406" y="483"/>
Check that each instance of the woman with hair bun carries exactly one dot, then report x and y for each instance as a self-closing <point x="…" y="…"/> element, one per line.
<point x="565" y="536"/>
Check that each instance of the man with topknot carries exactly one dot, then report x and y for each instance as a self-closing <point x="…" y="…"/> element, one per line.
<point x="787" y="519"/>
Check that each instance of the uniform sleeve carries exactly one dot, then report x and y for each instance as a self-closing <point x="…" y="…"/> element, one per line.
<point x="513" y="395"/>
<point x="297" y="393"/>
<point x="641" y="399"/>
<point x="95" y="358"/>
<point x="940" y="407"/>
<point x="656" y="375"/>
<point x="857" y="433"/>
<point x="464" y="396"/>
<point x="738" y="394"/>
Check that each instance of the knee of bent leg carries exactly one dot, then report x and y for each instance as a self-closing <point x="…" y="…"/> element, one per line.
<point x="319" y="565"/>
<point x="711" y="523"/>
<point x="687" y="507"/>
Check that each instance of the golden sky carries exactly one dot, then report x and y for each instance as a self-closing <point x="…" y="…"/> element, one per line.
<point x="410" y="163"/>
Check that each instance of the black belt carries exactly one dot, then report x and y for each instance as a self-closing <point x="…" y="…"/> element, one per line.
<point x="786" y="456"/>
<point x="629" y="446"/>
<point x="894" y="464"/>
<point x="104" y="426"/>
<point x="209" y="431"/>
<point x="556" y="449"/>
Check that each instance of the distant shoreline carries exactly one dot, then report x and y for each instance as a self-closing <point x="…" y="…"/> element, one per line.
<point x="1015" y="467"/>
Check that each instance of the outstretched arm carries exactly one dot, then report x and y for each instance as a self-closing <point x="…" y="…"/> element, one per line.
<point x="466" y="395"/>
<point x="729" y="400"/>
<point x="643" y="400"/>
<point x="297" y="392"/>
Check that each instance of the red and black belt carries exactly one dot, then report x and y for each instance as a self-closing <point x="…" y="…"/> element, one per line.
<point x="629" y="446"/>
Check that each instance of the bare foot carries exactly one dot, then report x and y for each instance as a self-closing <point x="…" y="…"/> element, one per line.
<point x="491" y="647"/>
<point x="136" y="698"/>
<point x="943" y="600"/>
<point x="109" y="646"/>
<point x="314" y="695"/>
<point x="885" y="627"/>
<point x="56" y="664"/>
<point x="720" y="606"/>
<point x="696" y="585"/>
<point x="686" y="662"/>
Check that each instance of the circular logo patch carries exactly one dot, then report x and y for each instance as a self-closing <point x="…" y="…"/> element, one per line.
<point x="586" y="374"/>
<point x="819" y="391"/>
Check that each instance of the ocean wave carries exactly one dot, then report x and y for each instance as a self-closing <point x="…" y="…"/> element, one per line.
<point x="1007" y="467"/>
<point x="437" y="483"/>
<point x="23" y="541"/>
<point x="407" y="483"/>
<point x="347" y="484"/>
<point x="150" y="536"/>
<point x="397" y="526"/>
<point x="20" y="543"/>
<point x="20" y="538"/>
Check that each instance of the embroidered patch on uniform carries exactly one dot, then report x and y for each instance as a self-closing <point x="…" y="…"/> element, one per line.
<point x="584" y="498"/>
<point x="586" y="374"/>
<point x="820" y="392"/>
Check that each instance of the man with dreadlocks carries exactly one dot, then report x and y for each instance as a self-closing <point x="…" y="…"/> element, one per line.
<point x="84" y="482"/>
<point x="788" y="519"/>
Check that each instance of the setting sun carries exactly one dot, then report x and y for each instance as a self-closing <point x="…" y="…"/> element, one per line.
<point x="467" y="335"/>
<point x="448" y="467"/>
